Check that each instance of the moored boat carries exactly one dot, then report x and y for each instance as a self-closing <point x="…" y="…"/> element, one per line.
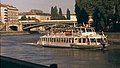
<point x="75" y="37"/>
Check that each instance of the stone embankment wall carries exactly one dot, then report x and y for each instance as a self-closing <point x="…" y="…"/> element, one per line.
<point x="5" y="33"/>
<point x="113" y="37"/>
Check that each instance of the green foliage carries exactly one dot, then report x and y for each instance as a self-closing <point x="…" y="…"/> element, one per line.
<point x="105" y="13"/>
<point x="55" y="15"/>
<point x="77" y="12"/>
<point x="29" y="18"/>
<point x="81" y="15"/>
<point x="68" y="14"/>
<point x="60" y="12"/>
<point x="52" y="13"/>
<point x="97" y="18"/>
<point x="23" y="17"/>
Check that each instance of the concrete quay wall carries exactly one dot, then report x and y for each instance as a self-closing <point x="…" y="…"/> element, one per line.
<point x="113" y="36"/>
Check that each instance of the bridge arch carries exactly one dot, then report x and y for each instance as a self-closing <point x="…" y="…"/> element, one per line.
<point x="13" y="27"/>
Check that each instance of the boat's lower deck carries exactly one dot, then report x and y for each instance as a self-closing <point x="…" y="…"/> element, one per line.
<point x="96" y="41"/>
<point x="71" y="45"/>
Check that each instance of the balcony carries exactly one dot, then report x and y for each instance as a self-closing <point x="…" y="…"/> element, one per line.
<point x="5" y="18"/>
<point x="5" y="15"/>
<point x="5" y="10"/>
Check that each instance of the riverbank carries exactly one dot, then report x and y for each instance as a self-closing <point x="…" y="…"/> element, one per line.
<point x="114" y="40"/>
<point x="7" y="62"/>
<point x="11" y="33"/>
<point x="113" y="36"/>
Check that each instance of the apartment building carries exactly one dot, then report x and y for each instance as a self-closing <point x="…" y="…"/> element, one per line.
<point x="8" y="13"/>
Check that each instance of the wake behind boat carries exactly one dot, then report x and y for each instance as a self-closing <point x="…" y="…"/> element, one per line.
<point x="75" y="37"/>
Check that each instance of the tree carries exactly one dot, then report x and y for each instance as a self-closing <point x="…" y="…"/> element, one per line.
<point x="23" y="17"/>
<point x="115" y="19"/>
<point x="52" y="13"/>
<point x="77" y="12"/>
<point x="61" y="17"/>
<point x="106" y="9"/>
<point x="97" y="18"/>
<point x="83" y="16"/>
<point x="68" y="14"/>
<point x="29" y="18"/>
<point x="55" y="15"/>
<point x="60" y="12"/>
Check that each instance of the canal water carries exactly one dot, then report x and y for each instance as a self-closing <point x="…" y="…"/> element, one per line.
<point x="20" y="47"/>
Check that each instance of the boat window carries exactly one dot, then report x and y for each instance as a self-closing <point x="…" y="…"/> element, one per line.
<point x="84" y="40"/>
<point x="64" y="39"/>
<point x="105" y="39"/>
<point x="47" y="39"/>
<point x="99" y="40"/>
<point x="92" y="40"/>
<point x="93" y="29"/>
<point x="58" y="39"/>
<point x="72" y="40"/>
<point x="88" y="40"/>
<point x="80" y="40"/>
<point x="54" y="39"/>
<point x="69" y="40"/>
<point x="89" y="30"/>
<point x="83" y="29"/>
<point x="43" y="39"/>
<point x="61" y="39"/>
<point x="51" y="39"/>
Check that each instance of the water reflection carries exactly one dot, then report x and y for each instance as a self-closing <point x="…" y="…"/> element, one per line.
<point x="113" y="56"/>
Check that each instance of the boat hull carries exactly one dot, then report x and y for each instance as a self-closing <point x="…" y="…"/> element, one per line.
<point x="74" y="46"/>
<point x="88" y="46"/>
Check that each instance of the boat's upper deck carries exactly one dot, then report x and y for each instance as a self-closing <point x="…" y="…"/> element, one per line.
<point x="71" y="31"/>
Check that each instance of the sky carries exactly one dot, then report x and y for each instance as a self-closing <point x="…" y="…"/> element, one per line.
<point x="44" y="5"/>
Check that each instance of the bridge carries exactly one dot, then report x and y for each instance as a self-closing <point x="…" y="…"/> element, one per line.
<point x="47" y="22"/>
<point x="29" y="24"/>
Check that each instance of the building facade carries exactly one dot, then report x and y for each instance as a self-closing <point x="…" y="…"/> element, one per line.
<point x="35" y="14"/>
<point x="8" y="13"/>
<point x="72" y="17"/>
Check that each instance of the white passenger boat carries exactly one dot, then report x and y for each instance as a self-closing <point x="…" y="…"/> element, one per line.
<point x="76" y="37"/>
